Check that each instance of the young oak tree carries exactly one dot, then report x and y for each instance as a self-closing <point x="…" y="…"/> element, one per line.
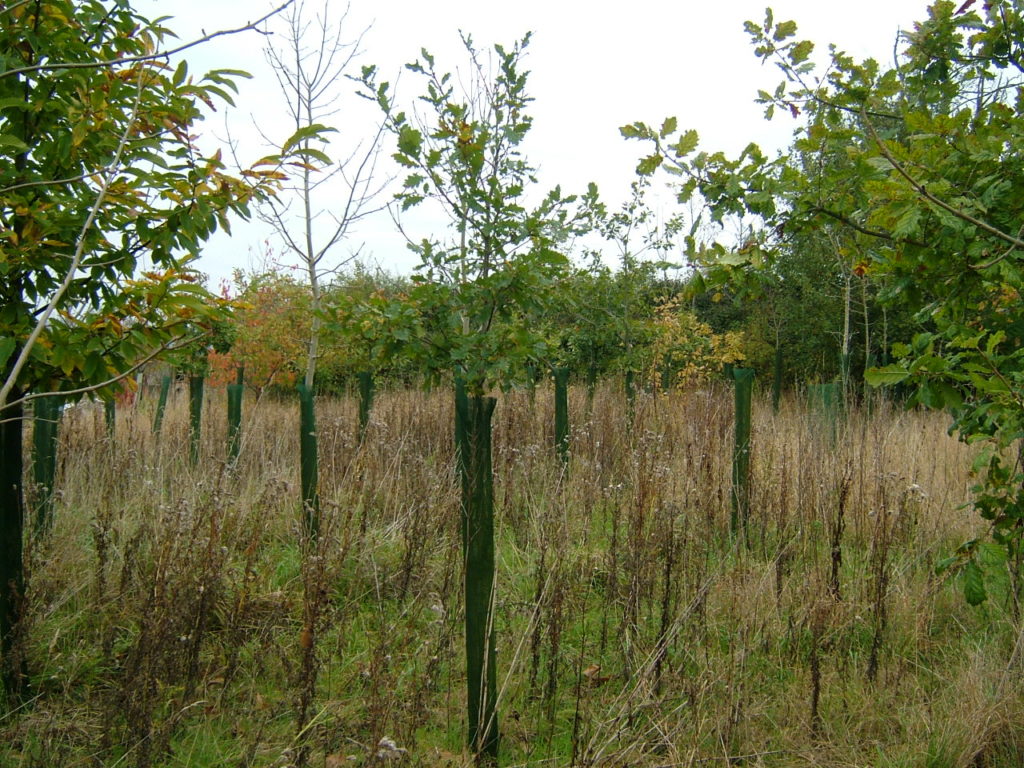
<point x="930" y="187"/>
<point x="104" y="200"/>
<point x="470" y="307"/>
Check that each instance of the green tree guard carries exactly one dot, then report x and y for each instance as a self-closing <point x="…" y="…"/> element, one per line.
<point x="110" y="417"/>
<point x="308" y="463"/>
<point x="562" y="413"/>
<point x="195" y="417"/>
<point x="366" y="390"/>
<point x="473" y="442"/>
<point x="744" y="378"/>
<point x="13" y="669"/>
<point x="666" y="377"/>
<point x="630" y="385"/>
<point x="825" y="400"/>
<point x="531" y="382"/>
<point x="777" y="380"/>
<point x="235" y="419"/>
<point x="870" y="395"/>
<point x="845" y="364"/>
<point x="814" y="398"/>
<point x="591" y="384"/>
<point x="829" y="399"/>
<point x="161" y="404"/>
<point x="45" y="420"/>
<point x="462" y="447"/>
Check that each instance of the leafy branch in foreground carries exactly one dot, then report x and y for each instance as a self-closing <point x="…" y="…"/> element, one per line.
<point x="920" y="167"/>
<point x="100" y="175"/>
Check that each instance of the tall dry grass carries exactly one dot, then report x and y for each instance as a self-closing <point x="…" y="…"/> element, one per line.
<point x="178" y="618"/>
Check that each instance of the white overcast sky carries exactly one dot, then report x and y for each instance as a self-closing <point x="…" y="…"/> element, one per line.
<point x="594" y="67"/>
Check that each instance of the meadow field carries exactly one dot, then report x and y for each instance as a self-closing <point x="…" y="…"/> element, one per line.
<point x="176" y="616"/>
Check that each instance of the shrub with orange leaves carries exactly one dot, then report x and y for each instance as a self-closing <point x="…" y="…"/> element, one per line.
<point x="687" y="346"/>
<point x="272" y="328"/>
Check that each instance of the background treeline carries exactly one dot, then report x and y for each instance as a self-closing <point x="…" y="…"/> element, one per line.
<point x="825" y="320"/>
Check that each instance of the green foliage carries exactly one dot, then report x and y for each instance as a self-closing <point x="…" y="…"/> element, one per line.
<point x="915" y="173"/>
<point x="269" y="331"/>
<point x="105" y="199"/>
<point x="358" y="327"/>
<point x="101" y="175"/>
<point x="602" y="323"/>
<point x="974" y="583"/>
<point x="474" y="295"/>
<point x="80" y="207"/>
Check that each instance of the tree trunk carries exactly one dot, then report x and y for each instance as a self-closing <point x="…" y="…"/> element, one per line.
<point x="885" y="336"/>
<point x="867" y="322"/>
<point x="305" y="103"/>
<point x="314" y="331"/>
<point x="591" y="382"/>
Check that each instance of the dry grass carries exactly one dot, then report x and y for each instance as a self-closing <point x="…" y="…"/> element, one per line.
<point x="177" y="618"/>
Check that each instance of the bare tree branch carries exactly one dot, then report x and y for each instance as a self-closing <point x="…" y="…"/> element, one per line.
<point x="251" y="26"/>
<point x="861" y="228"/>
<point x="46" y="183"/>
<point x="14" y="6"/>
<point x="168" y="346"/>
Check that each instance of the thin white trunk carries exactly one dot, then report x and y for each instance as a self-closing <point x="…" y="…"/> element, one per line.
<point x="306" y="101"/>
